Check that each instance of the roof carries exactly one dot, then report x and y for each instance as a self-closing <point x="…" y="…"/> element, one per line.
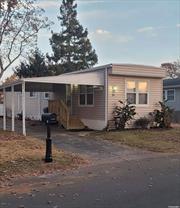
<point x="91" y="76"/>
<point x="171" y="82"/>
<point x="114" y="64"/>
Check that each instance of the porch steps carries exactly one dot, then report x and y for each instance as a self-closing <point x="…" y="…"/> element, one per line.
<point x="63" y="115"/>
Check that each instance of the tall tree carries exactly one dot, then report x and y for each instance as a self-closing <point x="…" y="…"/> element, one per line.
<point x="71" y="47"/>
<point x="173" y="69"/>
<point x="20" y="22"/>
<point x="35" y="66"/>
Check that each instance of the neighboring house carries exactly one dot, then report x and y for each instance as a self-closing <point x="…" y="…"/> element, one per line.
<point x="36" y="102"/>
<point x="89" y="96"/>
<point x="171" y="93"/>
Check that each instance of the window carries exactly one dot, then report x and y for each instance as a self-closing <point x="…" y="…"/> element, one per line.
<point x="46" y="95"/>
<point x="137" y="92"/>
<point x="32" y="94"/>
<point x="86" y="95"/>
<point x="169" y="94"/>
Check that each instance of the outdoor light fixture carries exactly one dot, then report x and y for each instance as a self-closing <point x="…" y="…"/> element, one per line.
<point x="114" y="90"/>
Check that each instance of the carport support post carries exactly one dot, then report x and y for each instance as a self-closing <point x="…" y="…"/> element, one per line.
<point x="23" y="109"/>
<point x="12" y="116"/>
<point x="4" y="109"/>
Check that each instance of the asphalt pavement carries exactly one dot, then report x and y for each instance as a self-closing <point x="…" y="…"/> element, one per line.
<point x="136" y="183"/>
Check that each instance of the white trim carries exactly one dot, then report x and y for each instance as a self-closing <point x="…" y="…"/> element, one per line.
<point x="106" y="96"/>
<point x="44" y="97"/>
<point x="4" y="109"/>
<point x="136" y="80"/>
<point x="23" y="109"/>
<point x="12" y="107"/>
<point x="166" y="94"/>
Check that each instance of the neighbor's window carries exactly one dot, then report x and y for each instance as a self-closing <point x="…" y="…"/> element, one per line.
<point x="86" y="95"/>
<point x="137" y="92"/>
<point x="32" y="94"/>
<point x="169" y="94"/>
<point x="46" y="95"/>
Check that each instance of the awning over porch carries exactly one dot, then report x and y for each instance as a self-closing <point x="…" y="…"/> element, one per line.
<point x="39" y="84"/>
<point x="82" y="78"/>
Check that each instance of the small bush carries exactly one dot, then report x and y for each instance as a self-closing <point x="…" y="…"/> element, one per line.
<point x="163" y="117"/>
<point x="123" y="113"/>
<point x="142" y="123"/>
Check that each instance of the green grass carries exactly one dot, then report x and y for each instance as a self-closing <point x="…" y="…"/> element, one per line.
<point x="157" y="140"/>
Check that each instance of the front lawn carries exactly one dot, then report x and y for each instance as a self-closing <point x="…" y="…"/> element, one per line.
<point x="21" y="155"/>
<point x="157" y="140"/>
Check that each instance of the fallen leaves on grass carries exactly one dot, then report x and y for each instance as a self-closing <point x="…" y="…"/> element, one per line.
<point x="157" y="140"/>
<point x="24" y="156"/>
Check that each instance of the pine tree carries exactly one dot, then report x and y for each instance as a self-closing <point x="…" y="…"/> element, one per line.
<point x="35" y="66"/>
<point x="71" y="47"/>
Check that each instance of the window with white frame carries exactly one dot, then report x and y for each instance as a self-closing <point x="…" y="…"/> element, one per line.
<point x="169" y="94"/>
<point x="137" y="92"/>
<point x="32" y="94"/>
<point x="86" y="95"/>
<point x="46" y="95"/>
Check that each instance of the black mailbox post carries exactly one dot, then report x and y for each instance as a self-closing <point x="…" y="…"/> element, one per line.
<point x="48" y="156"/>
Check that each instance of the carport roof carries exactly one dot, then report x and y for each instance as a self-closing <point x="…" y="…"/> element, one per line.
<point x="85" y="78"/>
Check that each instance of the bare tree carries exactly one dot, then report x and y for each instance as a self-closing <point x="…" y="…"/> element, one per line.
<point x="173" y="69"/>
<point x="20" y="22"/>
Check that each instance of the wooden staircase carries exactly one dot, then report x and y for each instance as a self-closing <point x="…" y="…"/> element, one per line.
<point x="63" y="115"/>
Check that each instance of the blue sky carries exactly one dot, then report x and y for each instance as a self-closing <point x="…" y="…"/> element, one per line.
<point x="125" y="31"/>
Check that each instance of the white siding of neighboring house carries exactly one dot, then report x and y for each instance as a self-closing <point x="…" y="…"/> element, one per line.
<point x="34" y="105"/>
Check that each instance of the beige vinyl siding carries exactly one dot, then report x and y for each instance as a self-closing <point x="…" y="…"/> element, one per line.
<point x="95" y="112"/>
<point x="155" y="94"/>
<point x="138" y="71"/>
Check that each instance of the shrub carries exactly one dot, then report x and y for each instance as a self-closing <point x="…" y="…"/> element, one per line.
<point x="163" y="117"/>
<point x="142" y="123"/>
<point x="123" y="113"/>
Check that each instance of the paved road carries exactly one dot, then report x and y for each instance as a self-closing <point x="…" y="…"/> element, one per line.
<point x="145" y="183"/>
<point x="117" y="177"/>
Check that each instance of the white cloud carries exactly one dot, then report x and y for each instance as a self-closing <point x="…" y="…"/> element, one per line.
<point x="90" y="1"/>
<point x="48" y="4"/>
<point x="149" y="31"/>
<point x="102" y="32"/>
<point x="145" y="29"/>
<point x="178" y="25"/>
<point x="105" y="35"/>
<point x="55" y="3"/>
<point x="124" y="39"/>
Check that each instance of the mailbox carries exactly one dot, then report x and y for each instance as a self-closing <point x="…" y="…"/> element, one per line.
<point x="49" y="118"/>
